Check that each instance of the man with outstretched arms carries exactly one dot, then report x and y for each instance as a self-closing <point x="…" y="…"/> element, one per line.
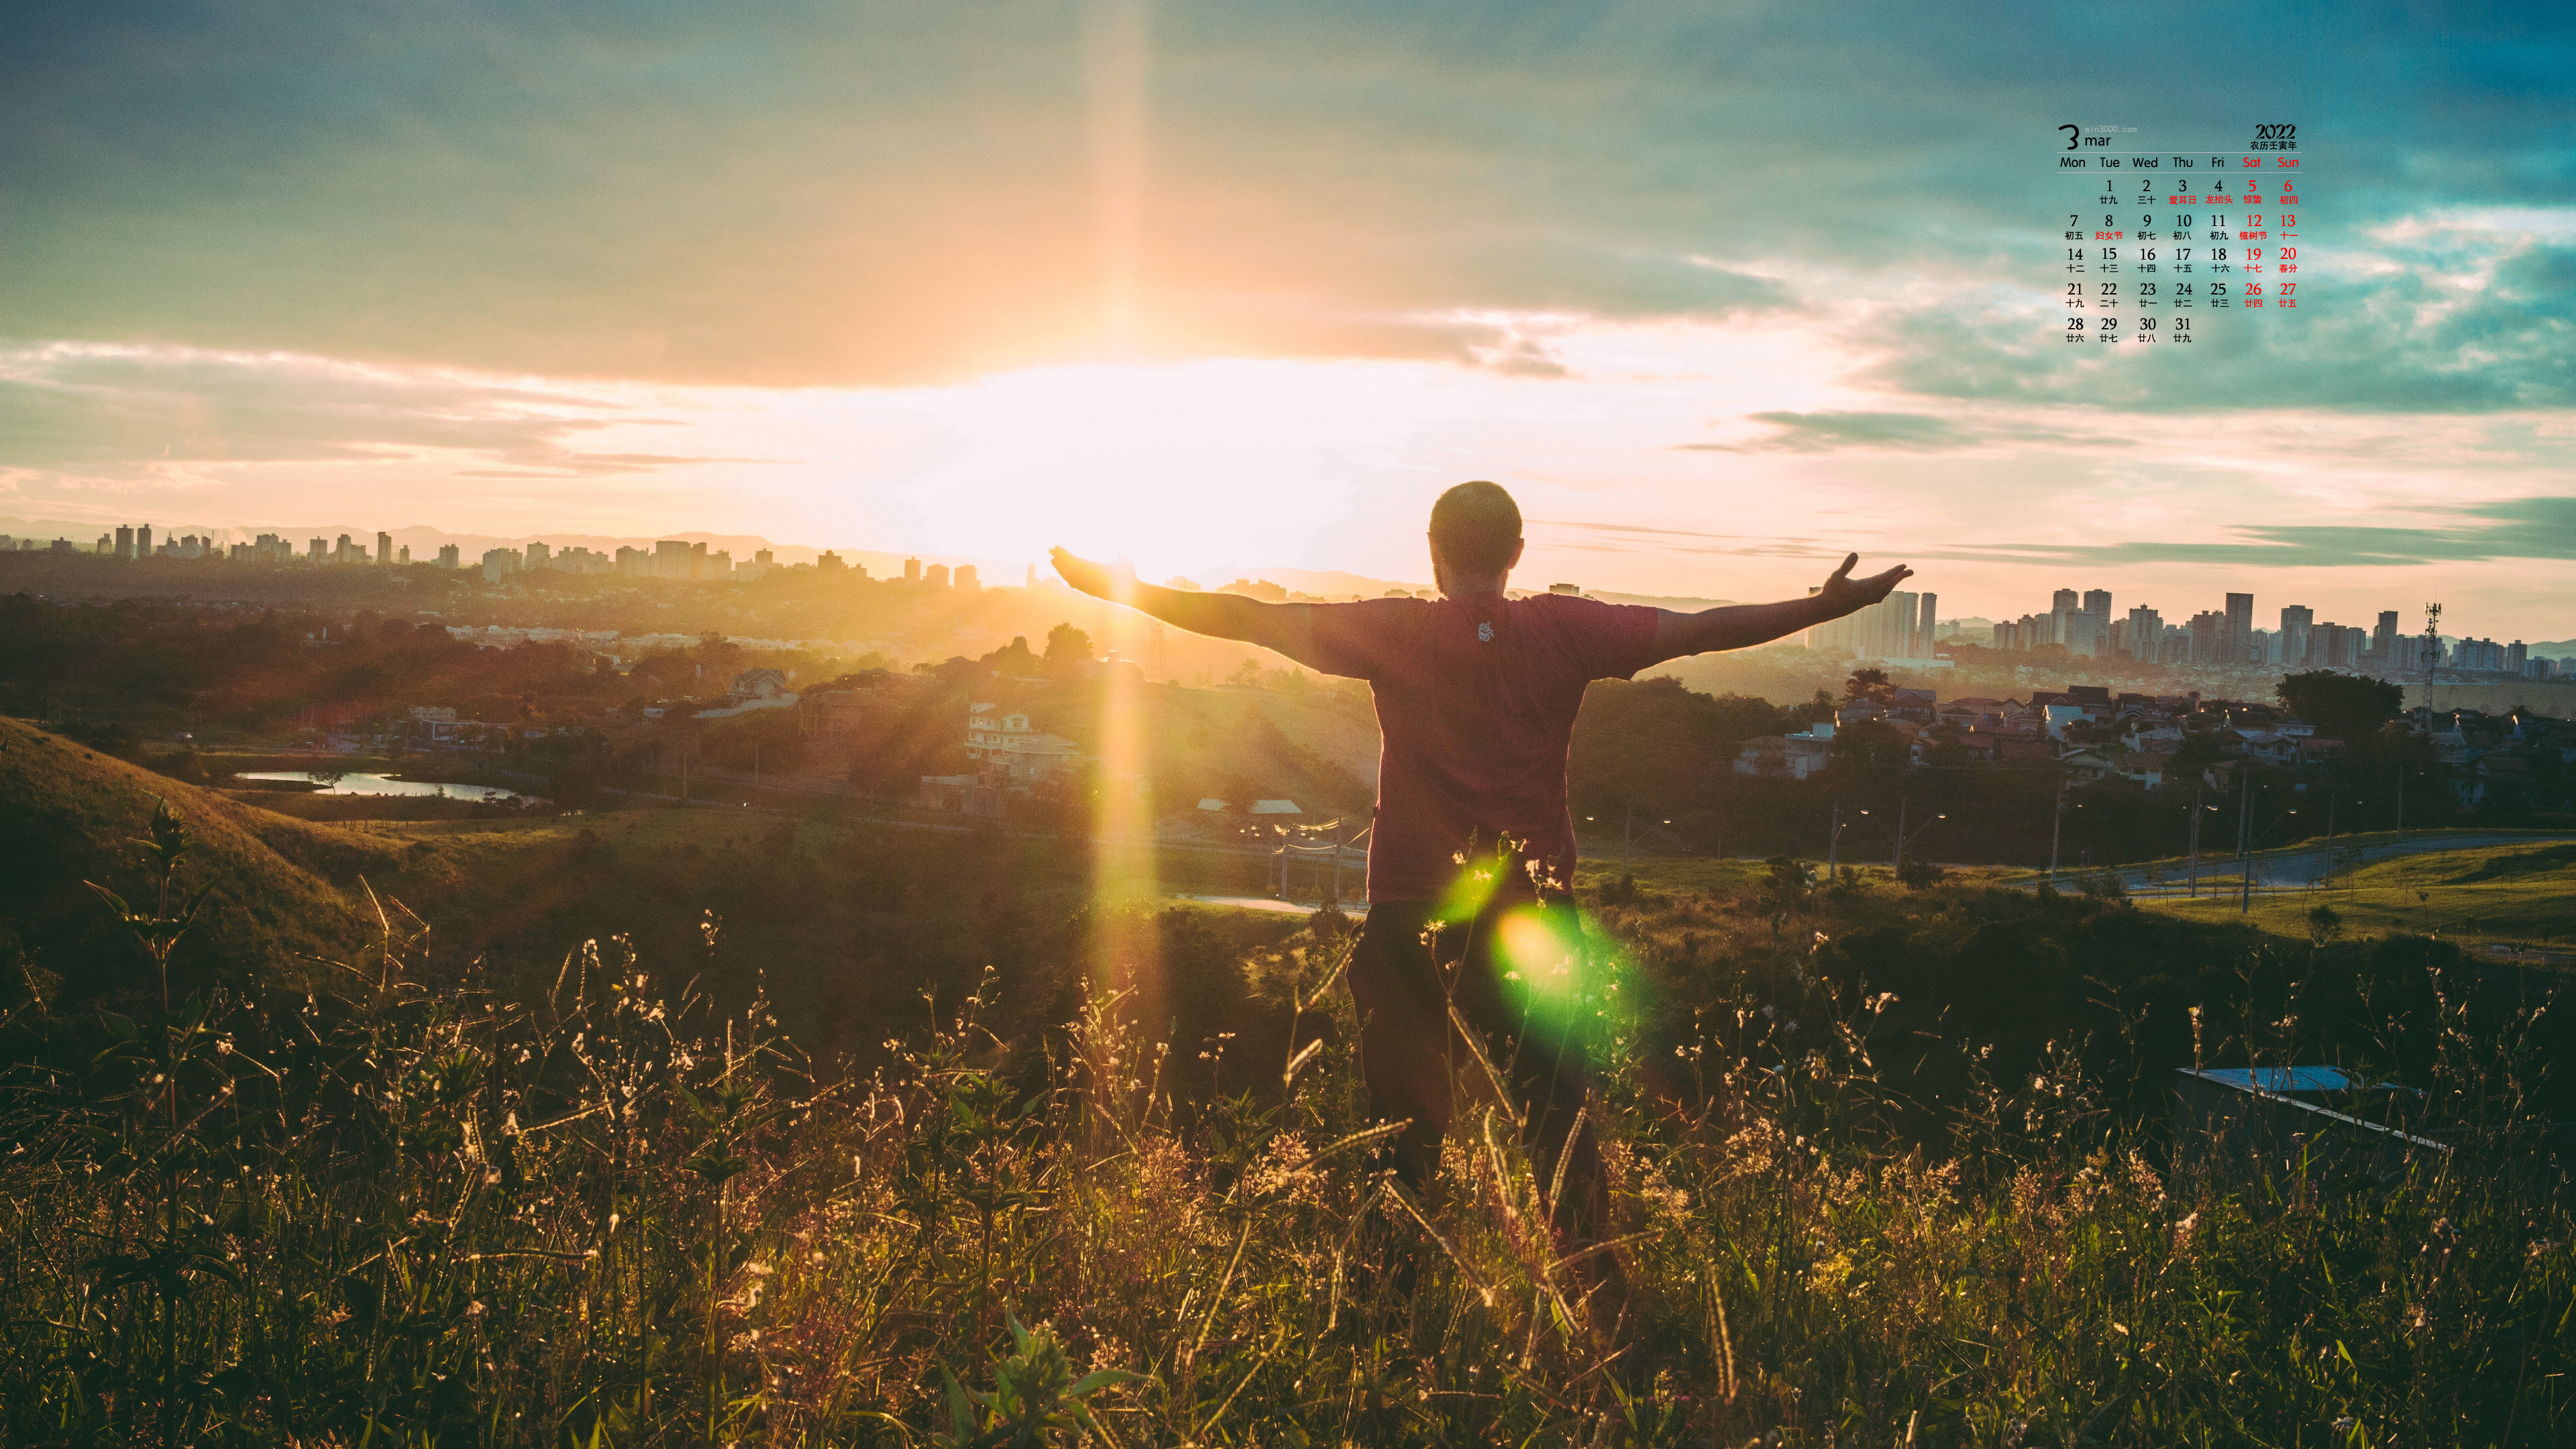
<point x="1471" y="853"/>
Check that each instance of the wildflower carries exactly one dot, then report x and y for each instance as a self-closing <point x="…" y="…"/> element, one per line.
<point x="2182" y="1231"/>
<point x="474" y="1309"/>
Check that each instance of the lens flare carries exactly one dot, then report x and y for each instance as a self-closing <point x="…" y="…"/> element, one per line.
<point x="1125" y="885"/>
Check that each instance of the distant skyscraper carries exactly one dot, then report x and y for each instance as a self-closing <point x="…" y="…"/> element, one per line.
<point x="2298" y="621"/>
<point x="315" y="551"/>
<point x="448" y="556"/>
<point x="2240" y="627"/>
<point x="2383" y="640"/>
<point x="912" y="571"/>
<point x="125" y="540"/>
<point x="384" y="548"/>
<point x="143" y="541"/>
<point x="936" y="576"/>
<point x="1928" y="628"/>
<point x="965" y="578"/>
<point x="2146" y="631"/>
<point x="538" y="556"/>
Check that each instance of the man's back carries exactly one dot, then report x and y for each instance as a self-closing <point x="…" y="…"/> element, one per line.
<point x="1476" y="699"/>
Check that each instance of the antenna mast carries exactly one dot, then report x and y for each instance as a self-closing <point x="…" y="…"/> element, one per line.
<point x="2432" y="638"/>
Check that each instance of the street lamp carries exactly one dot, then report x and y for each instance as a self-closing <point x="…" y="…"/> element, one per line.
<point x="1903" y="838"/>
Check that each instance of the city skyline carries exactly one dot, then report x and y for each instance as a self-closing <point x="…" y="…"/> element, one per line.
<point x="1875" y="633"/>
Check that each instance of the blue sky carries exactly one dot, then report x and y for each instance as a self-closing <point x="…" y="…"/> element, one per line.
<point x="1719" y="290"/>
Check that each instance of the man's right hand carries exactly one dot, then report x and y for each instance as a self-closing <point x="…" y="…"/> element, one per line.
<point x="1843" y="594"/>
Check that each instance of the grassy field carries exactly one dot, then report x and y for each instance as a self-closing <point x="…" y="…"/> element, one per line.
<point x="2506" y="893"/>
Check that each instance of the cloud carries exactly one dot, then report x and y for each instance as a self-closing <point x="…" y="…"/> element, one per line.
<point x="2510" y="529"/>
<point x="889" y="195"/>
<point x="111" y="410"/>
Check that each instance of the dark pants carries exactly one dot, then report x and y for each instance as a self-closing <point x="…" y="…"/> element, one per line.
<point x="1515" y="974"/>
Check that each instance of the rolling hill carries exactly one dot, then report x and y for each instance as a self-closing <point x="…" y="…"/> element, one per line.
<point x="284" y="890"/>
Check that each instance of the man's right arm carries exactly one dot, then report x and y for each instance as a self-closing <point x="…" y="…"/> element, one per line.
<point x="1286" y="628"/>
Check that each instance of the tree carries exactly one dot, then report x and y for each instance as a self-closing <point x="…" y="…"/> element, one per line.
<point x="1068" y="649"/>
<point x="1868" y="686"/>
<point x="2348" y="707"/>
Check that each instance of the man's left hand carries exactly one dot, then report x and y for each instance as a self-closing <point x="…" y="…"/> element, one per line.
<point x="1114" y="582"/>
<point x="1843" y="594"/>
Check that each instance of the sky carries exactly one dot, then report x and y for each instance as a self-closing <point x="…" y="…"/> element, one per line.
<point x="1718" y="291"/>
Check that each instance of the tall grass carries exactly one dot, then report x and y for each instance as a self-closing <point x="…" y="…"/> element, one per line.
<point x="399" y="1209"/>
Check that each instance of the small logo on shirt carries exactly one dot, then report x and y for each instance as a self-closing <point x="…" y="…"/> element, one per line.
<point x="1485" y="631"/>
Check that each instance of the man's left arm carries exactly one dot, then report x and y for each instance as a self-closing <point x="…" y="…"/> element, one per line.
<point x="1741" y="626"/>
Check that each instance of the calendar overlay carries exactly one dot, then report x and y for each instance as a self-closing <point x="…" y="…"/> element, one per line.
<point x="2159" y="242"/>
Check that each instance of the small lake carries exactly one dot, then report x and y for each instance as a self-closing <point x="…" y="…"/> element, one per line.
<point x="357" y="782"/>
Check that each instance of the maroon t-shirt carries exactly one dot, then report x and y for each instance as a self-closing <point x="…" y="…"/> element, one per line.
<point x="1476" y="700"/>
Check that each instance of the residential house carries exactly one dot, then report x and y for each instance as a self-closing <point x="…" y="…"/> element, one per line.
<point x="1786" y="757"/>
<point x="2147" y="767"/>
<point x="1002" y="742"/>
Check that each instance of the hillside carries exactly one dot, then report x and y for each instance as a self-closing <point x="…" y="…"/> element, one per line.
<point x="2521" y="893"/>
<point x="66" y="815"/>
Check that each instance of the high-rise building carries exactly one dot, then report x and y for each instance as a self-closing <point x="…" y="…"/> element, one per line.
<point x="384" y="548"/>
<point x="912" y="571"/>
<point x="2213" y="635"/>
<point x="936" y="576"/>
<point x="500" y="563"/>
<point x="538" y="556"/>
<point x="2297" y="622"/>
<point x="670" y="558"/>
<point x="448" y="556"/>
<point x="315" y="551"/>
<point x="2097" y="602"/>
<point x="965" y="578"/>
<point x="404" y="555"/>
<point x="125" y="540"/>
<point x="143" y="541"/>
<point x="2383" y="640"/>
<point x="2240" y="629"/>
<point x="2146" y="631"/>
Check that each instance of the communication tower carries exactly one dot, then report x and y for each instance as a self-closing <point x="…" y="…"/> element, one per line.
<point x="2432" y="638"/>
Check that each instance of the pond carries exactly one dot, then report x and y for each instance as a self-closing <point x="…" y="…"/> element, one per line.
<point x="356" y="782"/>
